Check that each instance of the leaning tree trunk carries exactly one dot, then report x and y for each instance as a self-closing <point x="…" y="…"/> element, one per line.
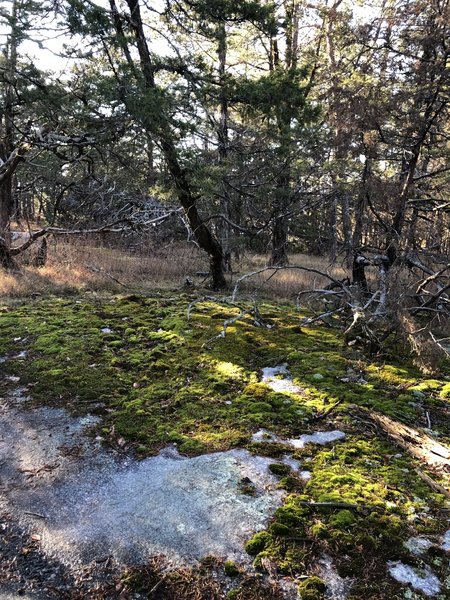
<point x="162" y="133"/>
<point x="206" y="240"/>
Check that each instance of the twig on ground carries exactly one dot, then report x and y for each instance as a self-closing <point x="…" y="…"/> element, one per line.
<point x="34" y="514"/>
<point x="328" y="412"/>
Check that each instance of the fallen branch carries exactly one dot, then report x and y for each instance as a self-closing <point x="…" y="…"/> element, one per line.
<point x="416" y="442"/>
<point x="434" y="485"/>
<point x="126" y="225"/>
<point x="58" y="231"/>
<point x="340" y="505"/>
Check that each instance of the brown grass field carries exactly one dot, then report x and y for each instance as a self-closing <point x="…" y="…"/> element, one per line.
<point x="78" y="265"/>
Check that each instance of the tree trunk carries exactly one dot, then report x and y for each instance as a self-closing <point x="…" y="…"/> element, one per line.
<point x="222" y="139"/>
<point x="6" y="260"/>
<point x="162" y="133"/>
<point x="279" y="257"/>
<point x="206" y="240"/>
<point x="359" y="273"/>
<point x="10" y="158"/>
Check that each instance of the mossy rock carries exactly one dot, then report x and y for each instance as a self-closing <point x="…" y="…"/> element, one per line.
<point x="259" y="407"/>
<point x="257" y="390"/>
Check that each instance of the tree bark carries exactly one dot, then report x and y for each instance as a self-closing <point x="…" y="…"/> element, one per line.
<point x="279" y="257"/>
<point x="222" y="138"/>
<point x="9" y="155"/>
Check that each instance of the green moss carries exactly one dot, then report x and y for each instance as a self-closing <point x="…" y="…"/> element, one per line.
<point x="230" y="568"/>
<point x="290" y="483"/>
<point x="445" y="391"/>
<point x="258" y="391"/>
<point x="343" y="519"/>
<point x="278" y="529"/>
<point x="280" y="469"/>
<point x="312" y="588"/>
<point x="319" y="530"/>
<point x="259" y="407"/>
<point x="257" y="543"/>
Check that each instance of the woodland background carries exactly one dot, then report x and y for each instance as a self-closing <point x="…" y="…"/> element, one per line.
<point x="308" y="135"/>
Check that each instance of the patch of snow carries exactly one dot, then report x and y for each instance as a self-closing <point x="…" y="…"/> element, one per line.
<point x="271" y="377"/>
<point x="106" y="330"/>
<point x="338" y="587"/>
<point x="97" y="503"/>
<point x="418" y="545"/>
<point x="291" y="462"/>
<point x="305" y="474"/>
<point x="423" y="580"/>
<point x="23" y="354"/>
<point x="319" y="437"/>
<point x="263" y="435"/>
<point x="446" y="541"/>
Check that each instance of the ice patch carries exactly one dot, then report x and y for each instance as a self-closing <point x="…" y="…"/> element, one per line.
<point x="422" y="580"/>
<point x="446" y="541"/>
<point x="418" y="545"/>
<point x="270" y="376"/>
<point x="305" y="474"/>
<point x="291" y="462"/>
<point x="97" y="503"/>
<point x="262" y="435"/>
<point x="319" y="437"/>
<point x="338" y="587"/>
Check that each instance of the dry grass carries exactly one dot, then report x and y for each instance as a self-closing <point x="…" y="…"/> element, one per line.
<point x="78" y="265"/>
<point x="287" y="283"/>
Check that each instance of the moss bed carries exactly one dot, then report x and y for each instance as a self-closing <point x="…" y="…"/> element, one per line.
<point x="156" y="377"/>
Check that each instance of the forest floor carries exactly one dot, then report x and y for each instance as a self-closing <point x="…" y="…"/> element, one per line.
<point x="100" y="388"/>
